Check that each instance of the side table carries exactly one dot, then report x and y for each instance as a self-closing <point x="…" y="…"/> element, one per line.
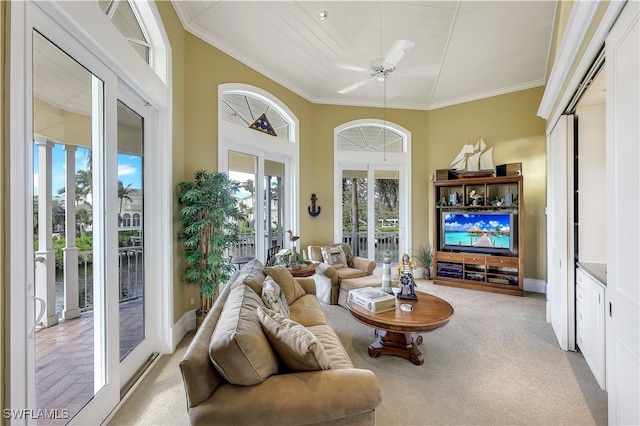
<point x="303" y="271"/>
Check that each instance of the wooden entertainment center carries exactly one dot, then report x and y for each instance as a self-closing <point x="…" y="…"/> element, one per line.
<point x="478" y="234"/>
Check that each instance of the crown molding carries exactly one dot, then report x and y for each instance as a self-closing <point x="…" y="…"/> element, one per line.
<point x="580" y="20"/>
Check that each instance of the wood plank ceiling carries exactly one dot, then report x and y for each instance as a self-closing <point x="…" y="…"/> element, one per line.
<point x="463" y="50"/>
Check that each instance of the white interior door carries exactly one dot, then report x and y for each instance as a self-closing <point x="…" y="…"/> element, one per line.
<point x="623" y="228"/>
<point x="560" y="265"/>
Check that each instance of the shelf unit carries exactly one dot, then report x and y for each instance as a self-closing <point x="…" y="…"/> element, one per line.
<point x="478" y="269"/>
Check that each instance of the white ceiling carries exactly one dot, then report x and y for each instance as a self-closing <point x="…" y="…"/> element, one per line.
<point x="463" y="50"/>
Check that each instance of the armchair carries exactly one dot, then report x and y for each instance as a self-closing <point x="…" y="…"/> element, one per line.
<point x="328" y="278"/>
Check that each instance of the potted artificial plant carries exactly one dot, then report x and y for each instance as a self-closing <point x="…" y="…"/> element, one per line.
<point x="209" y="215"/>
<point x="424" y="257"/>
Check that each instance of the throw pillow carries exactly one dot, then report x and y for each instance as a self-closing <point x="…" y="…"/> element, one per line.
<point x="239" y="349"/>
<point x="291" y="288"/>
<point x="347" y="252"/>
<point x="274" y="298"/>
<point x="334" y="256"/>
<point x="298" y="348"/>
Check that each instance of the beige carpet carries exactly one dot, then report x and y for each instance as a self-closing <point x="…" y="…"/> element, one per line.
<point x="496" y="362"/>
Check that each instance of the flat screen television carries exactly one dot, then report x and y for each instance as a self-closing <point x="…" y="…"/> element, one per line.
<point x="484" y="232"/>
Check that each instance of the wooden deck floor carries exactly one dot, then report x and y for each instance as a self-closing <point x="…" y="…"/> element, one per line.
<point x="64" y="359"/>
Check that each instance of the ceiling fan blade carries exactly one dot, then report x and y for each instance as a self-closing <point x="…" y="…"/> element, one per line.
<point x="354" y="86"/>
<point x="397" y="51"/>
<point x="353" y="68"/>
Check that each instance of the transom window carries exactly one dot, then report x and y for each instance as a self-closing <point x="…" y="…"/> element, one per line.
<point x="125" y="19"/>
<point x="371" y="138"/>
<point x="244" y="110"/>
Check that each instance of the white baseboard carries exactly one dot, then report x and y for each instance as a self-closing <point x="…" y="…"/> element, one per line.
<point x="186" y="323"/>
<point x="535" y="285"/>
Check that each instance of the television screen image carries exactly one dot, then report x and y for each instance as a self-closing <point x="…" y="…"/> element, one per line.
<point x="488" y="232"/>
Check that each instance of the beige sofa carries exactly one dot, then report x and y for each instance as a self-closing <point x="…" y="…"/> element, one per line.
<point x="328" y="278"/>
<point x="231" y="347"/>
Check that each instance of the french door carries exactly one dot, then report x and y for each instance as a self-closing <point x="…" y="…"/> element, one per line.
<point x="85" y="329"/>
<point x="373" y="213"/>
<point x="262" y="200"/>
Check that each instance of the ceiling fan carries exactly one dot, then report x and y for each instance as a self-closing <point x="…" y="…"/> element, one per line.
<point x="381" y="68"/>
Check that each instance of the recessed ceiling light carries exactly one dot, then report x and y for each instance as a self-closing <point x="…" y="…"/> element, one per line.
<point x="323" y="15"/>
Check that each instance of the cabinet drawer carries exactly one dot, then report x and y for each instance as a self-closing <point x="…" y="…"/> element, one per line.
<point x="507" y="262"/>
<point x="449" y="257"/>
<point x="476" y="259"/>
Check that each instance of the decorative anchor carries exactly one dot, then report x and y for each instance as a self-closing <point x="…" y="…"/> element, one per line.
<point x="313" y="211"/>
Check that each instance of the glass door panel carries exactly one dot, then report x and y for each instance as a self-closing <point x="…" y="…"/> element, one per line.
<point x="68" y="105"/>
<point x="131" y="283"/>
<point x="386" y="214"/>
<point x="355" y="211"/>
<point x="274" y="205"/>
<point x="243" y="168"/>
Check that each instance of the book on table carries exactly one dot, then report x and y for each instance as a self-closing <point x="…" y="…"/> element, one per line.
<point x="372" y="299"/>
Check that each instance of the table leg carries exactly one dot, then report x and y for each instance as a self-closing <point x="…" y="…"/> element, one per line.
<point x="399" y="344"/>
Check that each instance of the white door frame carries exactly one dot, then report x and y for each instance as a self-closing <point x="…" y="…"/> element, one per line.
<point x="81" y="31"/>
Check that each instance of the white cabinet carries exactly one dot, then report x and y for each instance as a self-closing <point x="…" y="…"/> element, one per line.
<point x="590" y="325"/>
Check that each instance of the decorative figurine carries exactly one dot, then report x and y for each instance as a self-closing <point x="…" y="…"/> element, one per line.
<point x="405" y="275"/>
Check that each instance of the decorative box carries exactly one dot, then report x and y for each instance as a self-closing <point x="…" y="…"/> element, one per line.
<point x="372" y="299"/>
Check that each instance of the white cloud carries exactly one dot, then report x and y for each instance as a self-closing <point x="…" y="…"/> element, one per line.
<point x="125" y="170"/>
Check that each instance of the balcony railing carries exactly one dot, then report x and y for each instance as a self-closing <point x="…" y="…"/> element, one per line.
<point x="130" y="278"/>
<point x="358" y="241"/>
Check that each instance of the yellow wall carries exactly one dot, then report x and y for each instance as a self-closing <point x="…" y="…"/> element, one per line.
<point x="507" y="122"/>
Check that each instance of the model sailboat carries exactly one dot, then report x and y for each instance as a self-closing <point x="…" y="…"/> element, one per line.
<point x="474" y="160"/>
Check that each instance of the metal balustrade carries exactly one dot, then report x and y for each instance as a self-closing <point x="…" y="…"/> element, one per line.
<point x="130" y="278"/>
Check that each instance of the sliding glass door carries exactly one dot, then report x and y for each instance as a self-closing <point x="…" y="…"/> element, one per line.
<point x="84" y="296"/>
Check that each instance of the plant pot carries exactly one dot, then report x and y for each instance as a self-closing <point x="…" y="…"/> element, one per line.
<point x="200" y="316"/>
<point x="428" y="273"/>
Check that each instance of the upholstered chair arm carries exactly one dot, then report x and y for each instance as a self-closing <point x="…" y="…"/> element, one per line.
<point x="363" y="264"/>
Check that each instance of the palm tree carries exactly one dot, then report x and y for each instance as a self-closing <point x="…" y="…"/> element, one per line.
<point x="84" y="184"/>
<point x="124" y="193"/>
<point x="83" y="218"/>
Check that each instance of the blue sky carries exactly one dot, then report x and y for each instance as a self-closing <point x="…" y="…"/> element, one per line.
<point x="129" y="168"/>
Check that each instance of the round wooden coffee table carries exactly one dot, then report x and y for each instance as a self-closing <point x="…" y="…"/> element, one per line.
<point x="397" y="330"/>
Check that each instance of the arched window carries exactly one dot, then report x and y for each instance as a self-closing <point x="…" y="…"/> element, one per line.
<point x="126" y="220"/>
<point x="259" y="148"/>
<point x="124" y="18"/>
<point x="372" y="188"/>
<point x="138" y="21"/>
<point x="136" y="219"/>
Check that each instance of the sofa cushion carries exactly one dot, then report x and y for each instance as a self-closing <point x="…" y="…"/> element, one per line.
<point x="291" y="288"/>
<point x="332" y="346"/>
<point x="252" y="274"/>
<point x="274" y="298"/>
<point x="297" y="347"/>
<point x="307" y="312"/>
<point x="239" y="349"/>
<point x="334" y="256"/>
